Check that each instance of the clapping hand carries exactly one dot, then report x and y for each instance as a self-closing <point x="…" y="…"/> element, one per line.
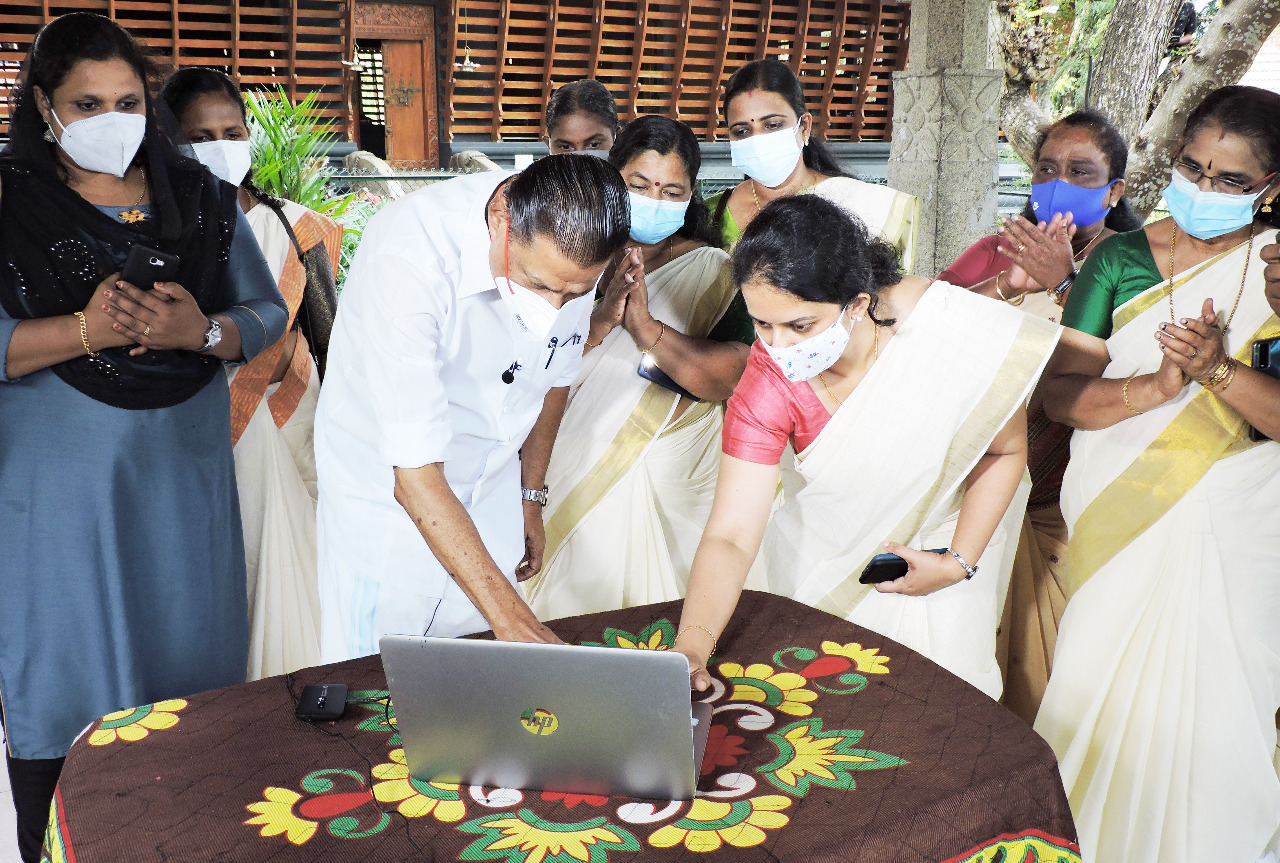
<point x="1041" y="254"/>
<point x="1196" y="347"/>
<point x="1271" y="275"/>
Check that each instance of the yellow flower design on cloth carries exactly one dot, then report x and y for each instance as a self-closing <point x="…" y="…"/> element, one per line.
<point x="809" y="756"/>
<point x="762" y="684"/>
<point x="867" y="659"/>
<point x="712" y="823"/>
<point x="137" y="722"/>
<point x="275" y="815"/>
<point x="415" y="797"/>
<point x="526" y="838"/>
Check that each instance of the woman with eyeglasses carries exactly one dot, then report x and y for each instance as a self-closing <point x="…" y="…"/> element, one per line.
<point x="1166" y="675"/>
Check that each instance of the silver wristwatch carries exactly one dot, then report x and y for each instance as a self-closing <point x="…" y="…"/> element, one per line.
<point x="538" y="497"/>
<point x="212" y="337"/>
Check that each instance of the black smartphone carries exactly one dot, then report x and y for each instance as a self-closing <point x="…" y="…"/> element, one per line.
<point x="649" y="371"/>
<point x="1266" y="359"/>
<point x="145" y="266"/>
<point x="887" y="567"/>
<point x="322" y="702"/>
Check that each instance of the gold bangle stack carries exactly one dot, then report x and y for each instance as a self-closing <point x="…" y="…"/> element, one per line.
<point x="84" y="334"/>
<point x="1016" y="301"/>
<point x="1221" y="376"/>
<point x="1125" y="392"/>
<point x="714" y="640"/>
<point x="662" y="332"/>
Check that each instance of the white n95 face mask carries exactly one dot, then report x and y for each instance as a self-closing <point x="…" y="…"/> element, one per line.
<point x="229" y="161"/>
<point x="769" y="158"/>
<point x="104" y="143"/>
<point x="804" y="360"/>
<point x="533" y="315"/>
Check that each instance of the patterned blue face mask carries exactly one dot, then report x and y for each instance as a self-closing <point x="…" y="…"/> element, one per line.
<point x="1086" y="206"/>
<point x="652" y="221"/>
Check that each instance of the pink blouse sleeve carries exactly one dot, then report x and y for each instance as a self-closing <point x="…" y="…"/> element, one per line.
<point x="757" y="422"/>
<point x="976" y="264"/>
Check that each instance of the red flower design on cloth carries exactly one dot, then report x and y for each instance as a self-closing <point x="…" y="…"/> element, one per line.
<point x="722" y="749"/>
<point x="572" y="800"/>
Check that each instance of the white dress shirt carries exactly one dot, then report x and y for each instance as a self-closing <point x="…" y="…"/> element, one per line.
<point x="415" y="376"/>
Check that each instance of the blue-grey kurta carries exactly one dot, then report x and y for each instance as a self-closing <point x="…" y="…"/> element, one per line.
<point x="122" y="577"/>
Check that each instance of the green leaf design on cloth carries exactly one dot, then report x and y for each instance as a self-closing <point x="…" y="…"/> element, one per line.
<point x="523" y="837"/>
<point x="809" y="756"/>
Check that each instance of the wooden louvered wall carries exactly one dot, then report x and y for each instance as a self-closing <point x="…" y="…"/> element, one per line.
<point x="298" y="44"/>
<point x="670" y="58"/>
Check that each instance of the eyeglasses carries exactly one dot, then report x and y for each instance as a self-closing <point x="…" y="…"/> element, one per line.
<point x="1224" y="186"/>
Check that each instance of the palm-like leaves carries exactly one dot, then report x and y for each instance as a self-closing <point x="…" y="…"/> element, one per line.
<point x="287" y="141"/>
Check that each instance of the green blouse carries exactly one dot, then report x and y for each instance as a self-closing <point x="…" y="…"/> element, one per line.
<point x="1118" y="270"/>
<point x="735" y="325"/>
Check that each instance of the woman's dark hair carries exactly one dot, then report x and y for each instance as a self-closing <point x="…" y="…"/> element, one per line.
<point x="1115" y="151"/>
<point x="665" y="136"/>
<point x="586" y="96"/>
<point x="1253" y="114"/>
<point x="811" y="248"/>
<point x="186" y="85"/>
<point x="58" y="47"/>
<point x="774" y="76"/>
<point x="577" y="202"/>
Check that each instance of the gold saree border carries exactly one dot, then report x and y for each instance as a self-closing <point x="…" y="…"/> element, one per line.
<point x="1028" y="354"/>
<point x="639" y="430"/>
<point x="1203" y="432"/>
<point x="1156" y="293"/>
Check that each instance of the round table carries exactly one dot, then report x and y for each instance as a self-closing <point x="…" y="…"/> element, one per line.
<point x="828" y="743"/>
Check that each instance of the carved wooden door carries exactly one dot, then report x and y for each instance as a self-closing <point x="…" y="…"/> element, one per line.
<point x="406" y="112"/>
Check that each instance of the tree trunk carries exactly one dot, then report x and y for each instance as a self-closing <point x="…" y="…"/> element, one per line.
<point x="1125" y="72"/>
<point x="1226" y="51"/>
<point x="1027" y="55"/>
<point x="1022" y="118"/>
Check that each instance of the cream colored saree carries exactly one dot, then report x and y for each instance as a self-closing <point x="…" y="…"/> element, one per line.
<point x="891" y="465"/>
<point x="631" y="484"/>
<point x="1166" y="677"/>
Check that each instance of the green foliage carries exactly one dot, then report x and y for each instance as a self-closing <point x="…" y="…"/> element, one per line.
<point x="354" y="216"/>
<point x="286" y="139"/>
<point x="1088" y="29"/>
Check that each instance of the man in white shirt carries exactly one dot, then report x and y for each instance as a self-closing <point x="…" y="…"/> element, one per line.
<point x="459" y="330"/>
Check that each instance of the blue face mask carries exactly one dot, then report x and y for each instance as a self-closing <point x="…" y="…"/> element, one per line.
<point x="1205" y="215"/>
<point x="652" y="221"/>
<point x="1086" y="206"/>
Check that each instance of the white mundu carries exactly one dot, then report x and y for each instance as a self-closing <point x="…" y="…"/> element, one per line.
<point x="415" y="377"/>
<point x="1166" y="676"/>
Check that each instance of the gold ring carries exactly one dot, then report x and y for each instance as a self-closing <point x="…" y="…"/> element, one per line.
<point x="1194" y="353"/>
<point x="147" y="331"/>
<point x="1022" y="247"/>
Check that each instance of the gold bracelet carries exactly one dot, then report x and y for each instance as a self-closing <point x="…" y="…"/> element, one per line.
<point x="1230" y="377"/>
<point x="1000" y="293"/>
<point x="662" y="332"/>
<point x="588" y="345"/>
<point x="714" y="640"/>
<point x="1221" y="376"/>
<point x="84" y="335"/>
<point x="1125" y="392"/>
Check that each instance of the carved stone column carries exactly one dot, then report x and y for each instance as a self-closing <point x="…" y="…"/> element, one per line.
<point x="945" y="127"/>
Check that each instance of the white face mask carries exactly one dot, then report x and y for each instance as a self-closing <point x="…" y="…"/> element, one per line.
<point x="229" y="161"/>
<point x="769" y="158"/>
<point x="816" y="354"/>
<point x="533" y="315"/>
<point x="104" y="143"/>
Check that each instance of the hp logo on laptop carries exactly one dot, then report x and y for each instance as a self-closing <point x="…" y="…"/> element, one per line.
<point x="539" y="721"/>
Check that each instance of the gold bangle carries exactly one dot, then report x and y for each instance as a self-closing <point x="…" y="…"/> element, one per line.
<point x="1221" y="376"/>
<point x="1000" y="293"/>
<point x="662" y="332"/>
<point x="1125" y="392"/>
<point x="1230" y="377"/>
<point x="588" y="345"/>
<point x="714" y="640"/>
<point x="84" y="334"/>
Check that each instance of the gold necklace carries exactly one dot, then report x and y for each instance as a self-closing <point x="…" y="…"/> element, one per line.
<point x="1226" y="325"/>
<point x="755" y="197"/>
<point x="1085" y="251"/>
<point x="133" y="214"/>
<point x="875" y="347"/>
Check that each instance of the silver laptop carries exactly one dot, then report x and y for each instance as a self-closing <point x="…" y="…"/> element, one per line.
<point x="587" y="720"/>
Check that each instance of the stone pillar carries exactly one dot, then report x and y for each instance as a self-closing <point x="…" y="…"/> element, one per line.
<point x="945" y="127"/>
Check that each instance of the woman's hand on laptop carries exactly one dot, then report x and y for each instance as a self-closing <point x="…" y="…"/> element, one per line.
<point x="699" y="677"/>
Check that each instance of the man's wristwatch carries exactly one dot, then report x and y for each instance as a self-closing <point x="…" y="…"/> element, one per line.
<point x="212" y="337"/>
<point x="538" y="497"/>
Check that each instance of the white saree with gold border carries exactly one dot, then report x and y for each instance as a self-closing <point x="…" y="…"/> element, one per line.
<point x="630" y="483"/>
<point x="891" y="464"/>
<point x="1166" y="676"/>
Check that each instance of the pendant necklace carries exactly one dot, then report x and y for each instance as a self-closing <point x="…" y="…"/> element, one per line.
<point x="1226" y="325"/>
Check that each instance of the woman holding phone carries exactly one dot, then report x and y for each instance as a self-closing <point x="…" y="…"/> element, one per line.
<point x="909" y="432"/>
<point x="123" y="570"/>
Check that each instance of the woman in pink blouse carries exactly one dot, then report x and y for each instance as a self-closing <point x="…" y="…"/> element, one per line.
<point x="909" y="433"/>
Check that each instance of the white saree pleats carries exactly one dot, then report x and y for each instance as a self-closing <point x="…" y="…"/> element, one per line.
<point x="276" y="476"/>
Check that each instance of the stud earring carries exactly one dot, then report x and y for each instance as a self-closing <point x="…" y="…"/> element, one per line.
<point x="1266" y="207"/>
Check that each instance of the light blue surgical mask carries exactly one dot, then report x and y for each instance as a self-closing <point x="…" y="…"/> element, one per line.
<point x="652" y="220"/>
<point x="1205" y="215"/>
<point x="768" y="158"/>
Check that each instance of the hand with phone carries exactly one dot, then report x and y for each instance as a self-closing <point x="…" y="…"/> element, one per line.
<point x="98" y="322"/>
<point x="154" y="312"/>
<point x="926" y="571"/>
